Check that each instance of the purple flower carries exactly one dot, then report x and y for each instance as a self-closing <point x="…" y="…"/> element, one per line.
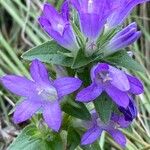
<point x="97" y="127"/>
<point x="92" y="15"/>
<point x="114" y="82"/>
<point x="123" y="38"/>
<point x="130" y="112"/>
<point x="58" y="27"/>
<point x="41" y="93"/>
<point x="123" y="9"/>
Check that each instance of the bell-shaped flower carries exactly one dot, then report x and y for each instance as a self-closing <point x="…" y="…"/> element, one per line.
<point x="122" y="39"/>
<point x="116" y="83"/>
<point x="97" y="127"/>
<point x="122" y="9"/>
<point x="92" y="15"/>
<point x="58" y="27"/>
<point x="40" y="93"/>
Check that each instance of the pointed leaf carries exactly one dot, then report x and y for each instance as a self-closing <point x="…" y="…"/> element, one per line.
<point x="25" y="141"/>
<point x="49" y="52"/>
<point x="76" y="109"/>
<point x="73" y="139"/>
<point x="122" y="59"/>
<point x="103" y="105"/>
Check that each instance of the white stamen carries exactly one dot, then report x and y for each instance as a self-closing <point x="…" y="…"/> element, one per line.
<point x="48" y="93"/>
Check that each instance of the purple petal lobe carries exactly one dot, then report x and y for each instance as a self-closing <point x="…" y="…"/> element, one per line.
<point x="88" y="26"/>
<point x="67" y="85"/>
<point x="19" y="85"/>
<point x="119" y="97"/>
<point x="39" y="73"/>
<point x="52" y="115"/>
<point x="136" y="86"/>
<point x="91" y="135"/>
<point x="120" y="119"/>
<point x="97" y="69"/>
<point x="118" y="137"/>
<point x="90" y="93"/>
<point x="25" y="110"/>
<point x="123" y="9"/>
<point x="130" y="112"/>
<point x="119" y="79"/>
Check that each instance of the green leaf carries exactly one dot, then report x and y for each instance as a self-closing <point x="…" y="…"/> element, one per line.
<point x="76" y="109"/>
<point x="57" y="143"/>
<point x="73" y="139"/>
<point x="103" y="105"/>
<point x="81" y="60"/>
<point x="49" y="52"/>
<point x="24" y="141"/>
<point x="122" y="59"/>
<point x="94" y="146"/>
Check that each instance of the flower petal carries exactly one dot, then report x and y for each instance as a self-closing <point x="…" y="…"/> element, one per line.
<point x="25" y="110"/>
<point x="88" y="26"/>
<point x="89" y="93"/>
<point x="130" y="112"/>
<point x="19" y="85"/>
<point x="67" y="85"/>
<point x="119" y="97"/>
<point x="123" y="9"/>
<point x="50" y="11"/>
<point x="91" y="135"/>
<point x="52" y="115"/>
<point x="119" y="79"/>
<point x="97" y="69"/>
<point x="118" y="136"/>
<point x="120" y="119"/>
<point x="136" y="86"/>
<point x="39" y="73"/>
<point x="65" y="10"/>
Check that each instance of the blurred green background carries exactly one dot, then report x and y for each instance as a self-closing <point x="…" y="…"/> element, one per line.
<point x="19" y="31"/>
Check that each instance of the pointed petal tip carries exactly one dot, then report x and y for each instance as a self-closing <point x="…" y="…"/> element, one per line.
<point x="89" y="93"/>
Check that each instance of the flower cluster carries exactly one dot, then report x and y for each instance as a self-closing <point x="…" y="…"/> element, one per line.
<point x="42" y="94"/>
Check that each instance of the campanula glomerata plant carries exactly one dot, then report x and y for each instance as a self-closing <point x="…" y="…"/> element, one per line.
<point x="89" y="79"/>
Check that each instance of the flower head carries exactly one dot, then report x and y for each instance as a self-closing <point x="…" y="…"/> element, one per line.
<point x="92" y="15"/>
<point x="123" y="38"/>
<point x="123" y="9"/>
<point x="41" y="93"/>
<point x="58" y="27"/>
<point x="116" y="83"/>
<point x="97" y="127"/>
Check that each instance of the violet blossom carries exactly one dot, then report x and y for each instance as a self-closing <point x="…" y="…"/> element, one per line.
<point x="40" y="93"/>
<point x="124" y="38"/>
<point x="116" y="83"/>
<point x="92" y="15"/>
<point x="122" y="9"/>
<point x="130" y="112"/>
<point x="58" y="27"/>
<point x="96" y="127"/>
